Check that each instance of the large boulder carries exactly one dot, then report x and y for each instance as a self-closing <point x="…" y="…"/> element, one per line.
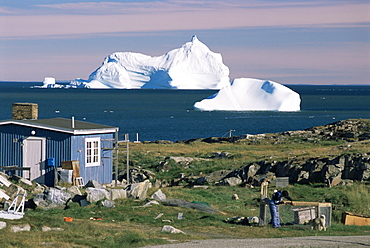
<point x="52" y="198"/>
<point x="117" y="194"/>
<point x="212" y="177"/>
<point x="95" y="194"/>
<point x="230" y="181"/>
<point x="93" y="184"/>
<point x="138" y="190"/>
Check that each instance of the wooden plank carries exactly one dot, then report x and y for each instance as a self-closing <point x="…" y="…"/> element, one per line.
<point x="3" y="195"/>
<point x="4" y="181"/>
<point x="300" y="203"/>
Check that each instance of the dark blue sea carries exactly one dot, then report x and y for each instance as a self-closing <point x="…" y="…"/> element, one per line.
<point x="168" y="114"/>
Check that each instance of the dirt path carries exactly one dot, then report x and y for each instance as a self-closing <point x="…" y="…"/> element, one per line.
<point x="301" y="242"/>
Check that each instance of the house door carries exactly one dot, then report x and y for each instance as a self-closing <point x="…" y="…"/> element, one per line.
<point x="34" y="158"/>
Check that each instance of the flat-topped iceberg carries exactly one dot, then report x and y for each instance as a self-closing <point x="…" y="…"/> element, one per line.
<point x="49" y="82"/>
<point x="248" y="94"/>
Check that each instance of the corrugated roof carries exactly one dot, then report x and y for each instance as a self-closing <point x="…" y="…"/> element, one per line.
<point x="64" y="125"/>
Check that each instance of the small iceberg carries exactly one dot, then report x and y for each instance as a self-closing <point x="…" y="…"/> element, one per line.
<point x="249" y="94"/>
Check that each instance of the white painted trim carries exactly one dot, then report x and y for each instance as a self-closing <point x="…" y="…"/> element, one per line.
<point x="63" y="130"/>
<point x="99" y="152"/>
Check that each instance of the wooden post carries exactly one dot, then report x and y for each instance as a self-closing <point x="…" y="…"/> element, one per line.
<point x="127" y="158"/>
<point x="115" y="146"/>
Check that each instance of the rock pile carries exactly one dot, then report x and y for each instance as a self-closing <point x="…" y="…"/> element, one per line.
<point x="61" y="197"/>
<point x="333" y="171"/>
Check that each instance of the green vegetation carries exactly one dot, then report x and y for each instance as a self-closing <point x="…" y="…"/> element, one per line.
<point x="130" y="224"/>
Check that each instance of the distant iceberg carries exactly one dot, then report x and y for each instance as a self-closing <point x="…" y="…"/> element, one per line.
<point x="252" y="94"/>
<point x="49" y="82"/>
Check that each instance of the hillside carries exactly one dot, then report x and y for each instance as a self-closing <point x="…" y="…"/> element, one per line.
<point x="329" y="154"/>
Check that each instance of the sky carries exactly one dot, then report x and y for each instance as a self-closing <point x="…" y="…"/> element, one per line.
<point x="320" y="42"/>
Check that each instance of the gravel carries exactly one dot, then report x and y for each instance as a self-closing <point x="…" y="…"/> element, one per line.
<point x="301" y="242"/>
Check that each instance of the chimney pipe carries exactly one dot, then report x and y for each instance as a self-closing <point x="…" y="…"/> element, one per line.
<point x="23" y="111"/>
<point x="73" y="122"/>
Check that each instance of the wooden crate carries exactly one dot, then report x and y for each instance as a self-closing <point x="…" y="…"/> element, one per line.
<point x="72" y="165"/>
<point x="303" y="215"/>
<point x="355" y="219"/>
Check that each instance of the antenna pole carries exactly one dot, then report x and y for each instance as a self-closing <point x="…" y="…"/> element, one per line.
<point x="231" y="133"/>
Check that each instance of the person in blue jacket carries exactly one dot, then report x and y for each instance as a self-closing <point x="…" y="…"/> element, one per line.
<point x="276" y="199"/>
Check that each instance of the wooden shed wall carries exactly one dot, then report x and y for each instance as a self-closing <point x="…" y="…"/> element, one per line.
<point x="102" y="173"/>
<point x="61" y="147"/>
<point x="58" y="146"/>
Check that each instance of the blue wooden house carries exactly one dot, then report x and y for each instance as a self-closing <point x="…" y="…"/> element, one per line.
<point x="39" y="146"/>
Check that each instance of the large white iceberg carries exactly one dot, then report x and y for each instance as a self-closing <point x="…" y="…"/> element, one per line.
<point x="252" y="94"/>
<point x="193" y="66"/>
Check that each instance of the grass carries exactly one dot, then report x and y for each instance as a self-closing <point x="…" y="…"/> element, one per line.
<point x="130" y="224"/>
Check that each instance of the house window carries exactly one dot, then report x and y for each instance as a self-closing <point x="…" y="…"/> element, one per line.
<point x="92" y="146"/>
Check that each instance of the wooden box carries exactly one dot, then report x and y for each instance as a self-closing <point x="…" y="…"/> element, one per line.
<point x="72" y="165"/>
<point x="303" y="215"/>
<point x="355" y="219"/>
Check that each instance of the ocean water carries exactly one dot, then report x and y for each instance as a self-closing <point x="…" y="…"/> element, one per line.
<point x="168" y="114"/>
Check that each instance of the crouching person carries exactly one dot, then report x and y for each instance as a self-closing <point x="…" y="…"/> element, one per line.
<point x="276" y="199"/>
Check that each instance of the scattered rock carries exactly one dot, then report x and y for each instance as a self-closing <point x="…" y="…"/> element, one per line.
<point x="171" y="229"/>
<point x="38" y="189"/>
<point x="93" y="184"/>
<point x="221" y="155"/>
<point x="150" y="203"/>
<point x="157" y="217"/>
<point x="2" y="224"/>
<point x="52" y="198"/>
<point x="235" y="197"/>
<point x="315" y="170"/>
<point x="106" y="203"/>
<point x="212" y="177"/>
<point x="21" y="228"/>
<point x="117" y="194"/>
<point x="47" y="229"/>
<point x="96" y="194"/>
<point x="74" y="190"/>
<point x="137" y="175"/>
<point x="158" y="195"/>
<point x="230" y="181"/>
<point x="138" y="190"/>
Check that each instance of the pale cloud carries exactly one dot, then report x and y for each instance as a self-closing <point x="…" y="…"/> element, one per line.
<point x="149" y="17"/>
<point x="350" y="60"/>
<point x="6" y="11"/>
<point x="175" y="5"/>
